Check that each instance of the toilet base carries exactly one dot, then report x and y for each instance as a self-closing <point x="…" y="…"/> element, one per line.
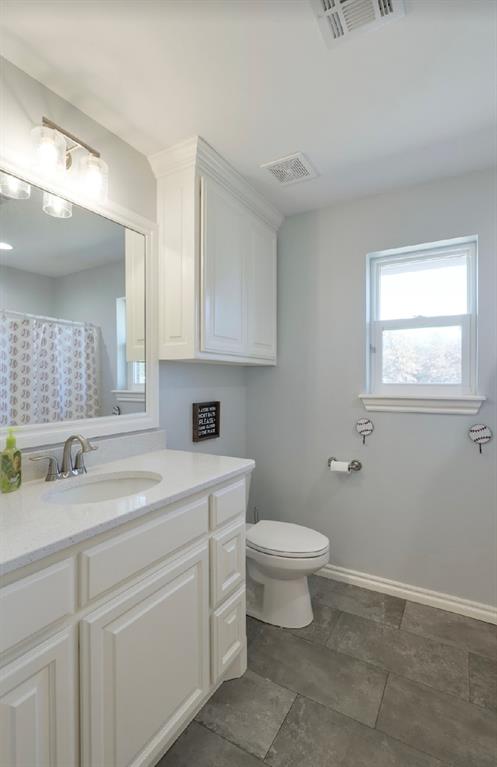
<point x="284" y="603"/>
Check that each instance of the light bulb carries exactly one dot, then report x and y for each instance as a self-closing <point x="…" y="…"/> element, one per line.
<point x="13" y="187"/>
<point x="5" y="246"/>
<point x="49" y="151"/>
<point x="94" y="177"/>
<point x="56" y="206"/>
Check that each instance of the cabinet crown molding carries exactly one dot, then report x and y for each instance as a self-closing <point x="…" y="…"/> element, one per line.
<point x="197" y="154"/>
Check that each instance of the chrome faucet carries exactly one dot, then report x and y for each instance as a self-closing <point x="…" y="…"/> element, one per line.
<point x="68" y="469"/>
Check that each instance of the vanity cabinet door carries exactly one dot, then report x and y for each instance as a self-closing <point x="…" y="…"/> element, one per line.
<point x="38" y="706"/>
<point x="145" y="664"/>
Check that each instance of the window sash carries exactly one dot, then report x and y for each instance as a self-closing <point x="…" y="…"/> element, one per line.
<point x="464" y="321"/>
<point x="410" y="256"/>
<point x="464" y="246"/>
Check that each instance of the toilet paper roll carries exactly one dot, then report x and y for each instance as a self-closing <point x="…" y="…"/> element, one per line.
<point x="341" y="466"/>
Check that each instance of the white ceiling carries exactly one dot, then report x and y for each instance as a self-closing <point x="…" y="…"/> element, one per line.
<point x="408" y="102"/>
<point x="55" y="247"/>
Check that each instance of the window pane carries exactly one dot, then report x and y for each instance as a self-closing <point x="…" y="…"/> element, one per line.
<point x="422" y="356"/>
<point x="423" y="287"/>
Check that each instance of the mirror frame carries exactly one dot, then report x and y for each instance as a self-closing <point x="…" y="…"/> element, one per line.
<point x="35" y="435"/>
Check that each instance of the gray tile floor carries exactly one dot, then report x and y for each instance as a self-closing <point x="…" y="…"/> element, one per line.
<point x="373" y="682"/>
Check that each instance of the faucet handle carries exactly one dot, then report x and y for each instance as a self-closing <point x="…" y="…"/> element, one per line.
<point x="86" y="445"/>
<point x="53" y="472"/>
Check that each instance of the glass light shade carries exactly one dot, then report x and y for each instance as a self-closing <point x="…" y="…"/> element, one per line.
<point x="56" y="206"/>
<point x="94" y="175"/>
<point x="13" y="187"/>
<point x="49" y="148"/>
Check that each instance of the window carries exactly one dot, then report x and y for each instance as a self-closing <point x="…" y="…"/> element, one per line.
<point x="130" y="375"/>
<point x="422" y="328"/>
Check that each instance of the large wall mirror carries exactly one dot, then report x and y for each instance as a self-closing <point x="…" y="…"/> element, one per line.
<point x="72" y="314"/>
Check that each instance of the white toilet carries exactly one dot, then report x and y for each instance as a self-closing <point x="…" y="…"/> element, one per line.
<point x="280" y="557"/>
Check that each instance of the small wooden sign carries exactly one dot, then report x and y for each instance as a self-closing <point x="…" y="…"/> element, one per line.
<point x="206" y="420"/>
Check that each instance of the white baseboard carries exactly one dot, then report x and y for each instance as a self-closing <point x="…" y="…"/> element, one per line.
<point x="447" y="602"/>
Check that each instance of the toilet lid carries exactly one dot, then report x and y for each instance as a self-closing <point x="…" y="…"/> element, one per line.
<point x="286" y="539"/>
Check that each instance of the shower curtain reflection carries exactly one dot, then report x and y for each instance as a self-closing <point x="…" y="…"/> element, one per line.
<point x="49" y="369"/>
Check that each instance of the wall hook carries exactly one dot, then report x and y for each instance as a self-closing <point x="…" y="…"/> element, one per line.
<point x="364" y="427"/>
<point x="480" y="434"/>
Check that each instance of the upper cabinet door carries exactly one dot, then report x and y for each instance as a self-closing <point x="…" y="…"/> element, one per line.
<point x="135" y="296"/>
<point x="223" y="245"/>
<point x="261" y="291"/>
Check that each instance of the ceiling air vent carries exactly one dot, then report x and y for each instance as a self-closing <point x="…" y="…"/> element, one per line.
<point x="289" y="170"/>
<point x="341" y="18"/>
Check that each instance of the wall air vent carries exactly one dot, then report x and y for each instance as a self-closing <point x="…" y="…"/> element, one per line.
<point x="342" y="18"/>
<point x="289" y="170"/>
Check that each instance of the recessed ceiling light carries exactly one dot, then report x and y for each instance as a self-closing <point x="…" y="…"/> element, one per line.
<point x="5" y="246"/>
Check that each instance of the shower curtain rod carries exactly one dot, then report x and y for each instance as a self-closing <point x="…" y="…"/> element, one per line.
<point x="47" y="319"/>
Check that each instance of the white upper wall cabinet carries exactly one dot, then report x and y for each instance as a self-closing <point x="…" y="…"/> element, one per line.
<point x="217" y="260"/>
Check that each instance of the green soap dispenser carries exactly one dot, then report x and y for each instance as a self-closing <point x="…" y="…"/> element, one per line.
<point x="10" y="465"/>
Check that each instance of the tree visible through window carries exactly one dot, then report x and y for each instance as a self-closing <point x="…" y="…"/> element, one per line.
<point x="422" y="319"/>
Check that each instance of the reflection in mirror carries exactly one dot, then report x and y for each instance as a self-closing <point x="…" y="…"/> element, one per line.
<point x="72" y="314"/>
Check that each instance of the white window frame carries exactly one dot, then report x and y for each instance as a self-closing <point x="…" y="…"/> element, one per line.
<point x="434" y="398"/>
<point x="127" y="389"/>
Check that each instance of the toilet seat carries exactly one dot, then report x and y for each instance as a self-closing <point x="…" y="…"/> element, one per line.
<point x="284" y="539"/>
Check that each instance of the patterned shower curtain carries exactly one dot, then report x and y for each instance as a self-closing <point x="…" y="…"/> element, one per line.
<point x="49" y="369"/>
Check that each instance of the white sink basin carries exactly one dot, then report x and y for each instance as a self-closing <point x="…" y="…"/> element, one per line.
<point x="103" y="487"/>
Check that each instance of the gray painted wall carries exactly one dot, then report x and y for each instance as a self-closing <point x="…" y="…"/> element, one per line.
<point x="181" y="384"/>
<point x="423" y="510"/>
<point x="26" y="292"/>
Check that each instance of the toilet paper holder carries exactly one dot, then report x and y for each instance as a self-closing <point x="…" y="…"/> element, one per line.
<point x="354" y="465"/>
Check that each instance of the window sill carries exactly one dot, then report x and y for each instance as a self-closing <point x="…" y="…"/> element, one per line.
<point x="463" y="404"/>
<point x="129" y="395"/>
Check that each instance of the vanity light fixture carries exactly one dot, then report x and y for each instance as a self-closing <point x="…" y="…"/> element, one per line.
<point x="49" y="148"/>
<point x="94" y="177"/>
<point x="54" y="149"/>
<point x="6" y="246"/>
<point x="13" y="187"/>
<point x="56" y="206"/>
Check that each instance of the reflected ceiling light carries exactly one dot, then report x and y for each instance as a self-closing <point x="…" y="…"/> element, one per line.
<point x="5" y="246"/>
<point x="56" y="206"/>
<point x="94" y="177"/>
<point x="49" y="148"/>
<point x="13" y="187"/>
<point x="54" y="148"/>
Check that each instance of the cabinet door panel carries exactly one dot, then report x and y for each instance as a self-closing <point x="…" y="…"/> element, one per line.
<point x="261" y="291"/>
<point x="224" y="241"/>
<point x="227" y="561"/>
<point x="38" y="705"/>
<point x="228" y="633"/>
<point x="145" y="662"/>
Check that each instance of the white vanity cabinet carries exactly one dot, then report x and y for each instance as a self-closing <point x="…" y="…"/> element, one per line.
<point x="217" y="260"/>
<point x="145" y="663"/>
<point x="146" y="620"/>
<point x="38" y="705"/>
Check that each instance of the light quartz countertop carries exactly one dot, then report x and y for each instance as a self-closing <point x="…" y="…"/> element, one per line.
<point x="32" y="528"/>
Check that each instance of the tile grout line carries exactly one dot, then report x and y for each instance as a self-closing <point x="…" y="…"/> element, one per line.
<point x="381" y="701"/>
<point x="280" y="727"/>
<point x="402" y="676"/>
<point x="223" y="737"/>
